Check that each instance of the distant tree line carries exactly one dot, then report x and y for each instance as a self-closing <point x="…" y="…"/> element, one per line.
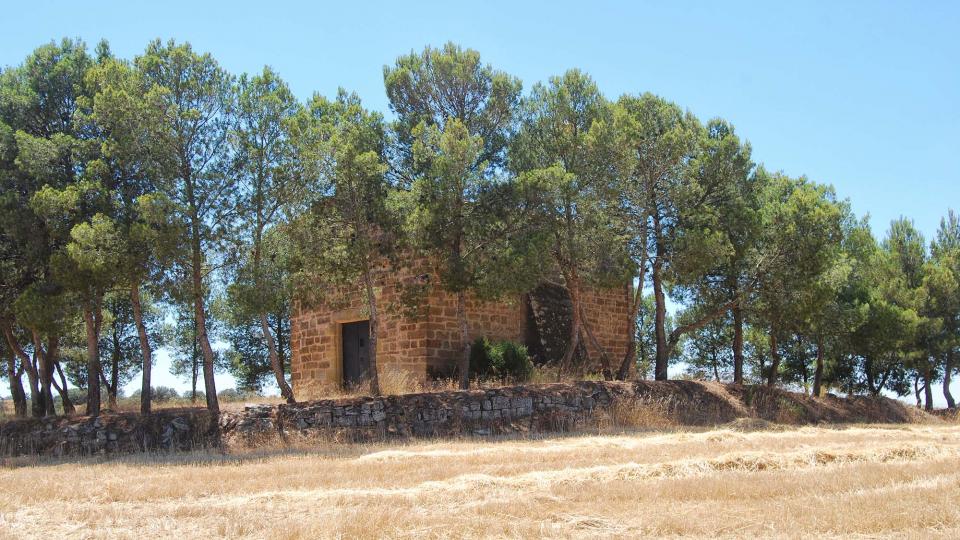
<point x="163" y="202"/>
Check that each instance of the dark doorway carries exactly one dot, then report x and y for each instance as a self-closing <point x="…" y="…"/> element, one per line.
<point x="549" y="318"/>
<point x="356" y="352"/>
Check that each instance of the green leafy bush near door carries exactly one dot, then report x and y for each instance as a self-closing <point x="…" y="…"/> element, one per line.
<point x="500" y="359"/>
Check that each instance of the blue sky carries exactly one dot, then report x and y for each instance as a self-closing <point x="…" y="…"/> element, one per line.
<point x="862" y="95"/>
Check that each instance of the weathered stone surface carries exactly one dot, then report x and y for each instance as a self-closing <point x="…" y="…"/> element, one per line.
<point x="518" y="409"/>
<point x="428" y="342"/>
<point x="112" y="433"/>
<point x="548" y="324"/>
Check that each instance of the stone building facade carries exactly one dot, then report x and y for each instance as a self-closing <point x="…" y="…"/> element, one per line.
<point x="425" y="341"/>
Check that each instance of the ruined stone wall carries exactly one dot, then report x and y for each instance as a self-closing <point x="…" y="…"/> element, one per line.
<point x="418" y="328"/>
<point x="315" y="328"/>
<point x="426" y="341"/>
<point x="607" y="313"/>
<point x="169" y="430"/>
<point x="559" y="407"/>
<point x="501" y="320"/>
<point x="549" y="322"/>
<point x="519" y="409"/>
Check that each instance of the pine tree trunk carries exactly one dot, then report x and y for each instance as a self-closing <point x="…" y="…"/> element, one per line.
<point x="196" y="274"/>
<point x="947" y="377"/>
<point x="113" y="387"/>
<point x="195" y="366"/>
<point x="275" y="364"/>
<point x="928" y="389"/>
<point x="104" y="383"/>
<point x="573" y="338"/>
<point x="629" y="359"/>
<point x="17" y="394"/>
<point x="193" y="382"/>
<point x="36" y="396"/>
<point x="68" y="407"/>
<point x="209" y="383"/>
<point x="775" y="359"/>
<point x="146" y="391"/>
<point x="916" y="390"/>
<point x="737" y="344"/>
<point x="660" y="321"/>
<point x="374" y="331"/>
<point x="52" y="352"/>
<point x="870" y="376"/>
<point x="45" y="372"/>
<point x="33" y="379"/>
<point x="634" y="300"/>
<point x="93" y="363"/>
<point x="464" y="340"/>
<point x="818" y="371"/>
<point x="661" y="363"/>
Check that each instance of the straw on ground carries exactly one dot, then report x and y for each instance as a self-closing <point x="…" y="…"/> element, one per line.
<point x="872" y="481"/>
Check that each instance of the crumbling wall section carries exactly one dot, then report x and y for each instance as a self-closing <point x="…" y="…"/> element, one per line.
<point x="544" y="408"/>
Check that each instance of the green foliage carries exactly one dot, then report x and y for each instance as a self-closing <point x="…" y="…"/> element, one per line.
<point x="235" y="394"/>
<point x="42" y="190"/>
<point x="563" y="155"/>
<point x="480" y="358"/>
<point x="500" y="359"/>
<point x="160" y="394"/>
<point x="247" y="357"/>
<point x="567" y="159"/>
<point x="180" y="337"/>
<point x="707" y="353"/>
<point x="450" y="83"/>
<point x="342" y="224"/>
<point x="263" y="154"/>
<point x="167" y="175"/>
<point x="454" y="119"/>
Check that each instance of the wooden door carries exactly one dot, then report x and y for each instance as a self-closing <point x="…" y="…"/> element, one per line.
<point x="356" y="354"/>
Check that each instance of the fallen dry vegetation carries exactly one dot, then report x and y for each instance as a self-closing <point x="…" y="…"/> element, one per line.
<point x="869" y="481"/>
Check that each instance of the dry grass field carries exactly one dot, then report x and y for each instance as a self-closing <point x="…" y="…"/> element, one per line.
<point x="869" y="481"/>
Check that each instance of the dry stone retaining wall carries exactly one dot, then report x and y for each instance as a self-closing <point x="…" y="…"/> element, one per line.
<point x="168" y="430"/>
<point x="519" y="409"/>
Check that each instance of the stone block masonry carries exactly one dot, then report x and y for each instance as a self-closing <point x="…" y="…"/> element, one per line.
<point x="426" y="341"/>
<point x="545" y="408"/>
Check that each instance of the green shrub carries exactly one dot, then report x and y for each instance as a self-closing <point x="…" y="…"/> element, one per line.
<point x="503" y="359"/>
<point x="77" y="395"/>
<point x="514" y="361"/>
<point x="233" y="394"/>
<point x="480" y="358"/>
<point x="158" y="394"/>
